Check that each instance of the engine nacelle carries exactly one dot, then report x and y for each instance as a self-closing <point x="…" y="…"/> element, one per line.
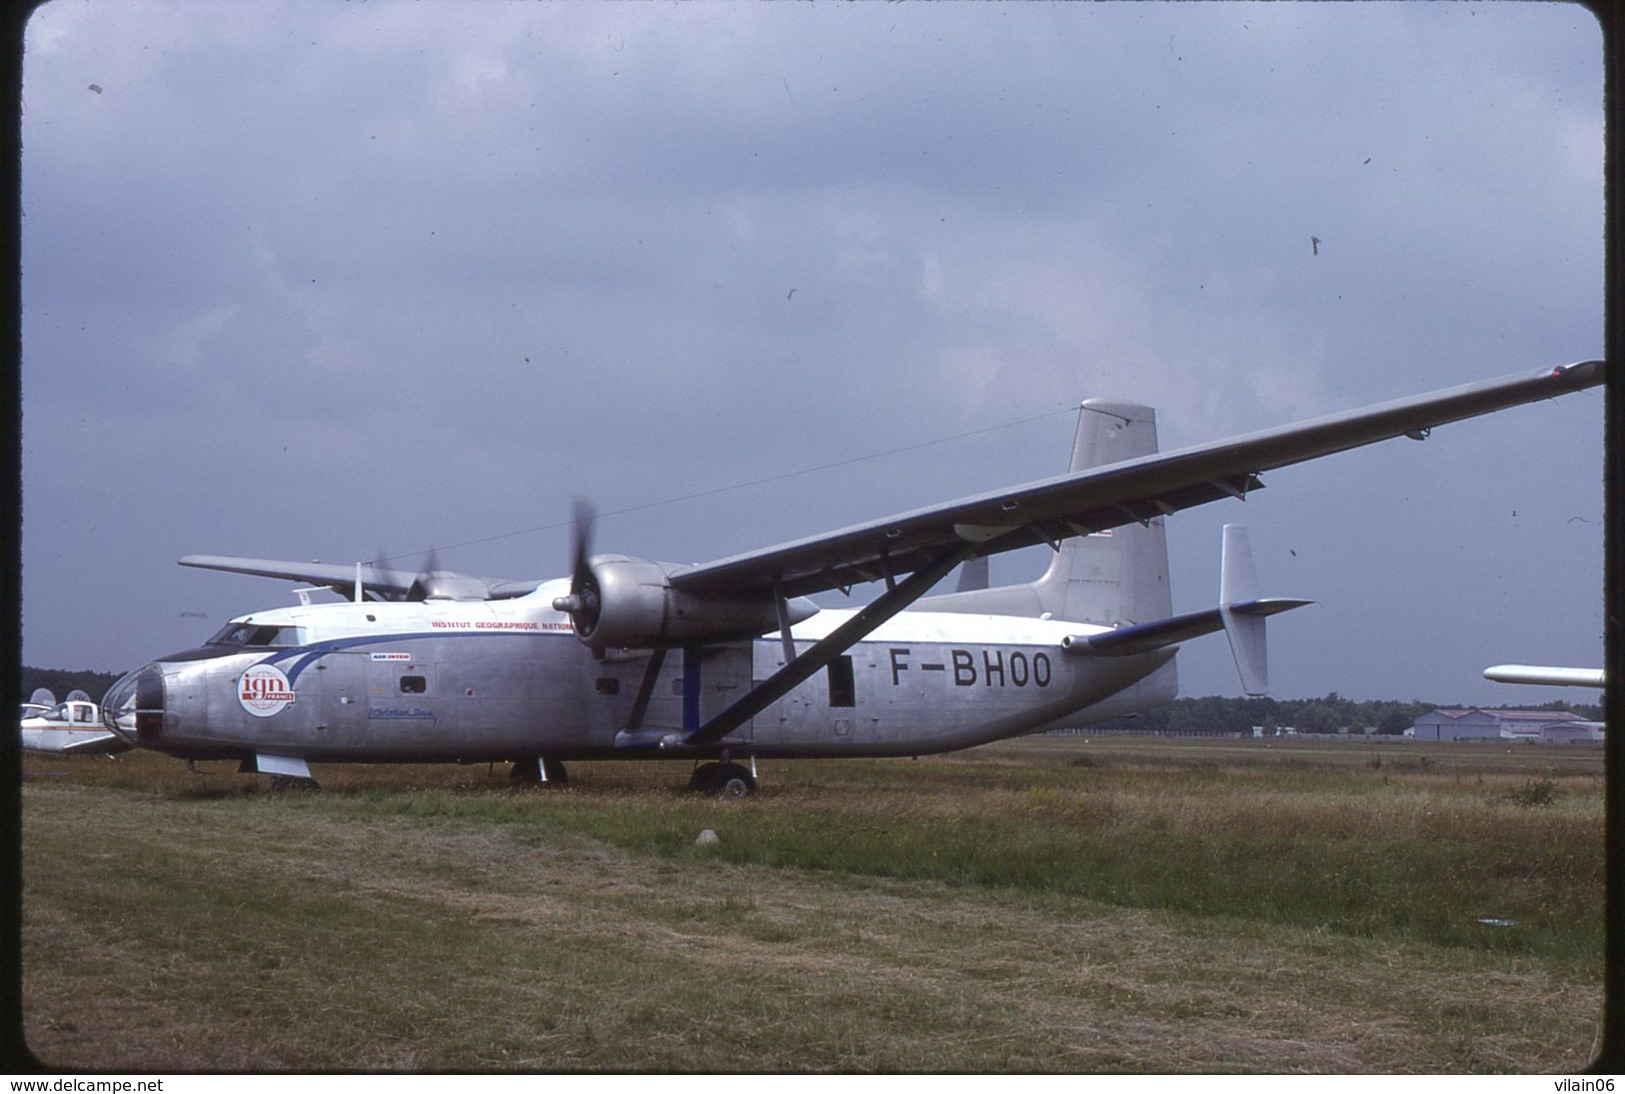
<point x="442" y="585"/>
<point x="629" y="602"/>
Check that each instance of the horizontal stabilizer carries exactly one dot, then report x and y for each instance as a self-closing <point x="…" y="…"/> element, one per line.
<point x="1266" y="606"/>
<point x="1240" y="614"/>
<point x="1145" y="637"/>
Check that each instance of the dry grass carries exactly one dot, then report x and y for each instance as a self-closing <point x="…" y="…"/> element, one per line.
<point x="431" y="918"/>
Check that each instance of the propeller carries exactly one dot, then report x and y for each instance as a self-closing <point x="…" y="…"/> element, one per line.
<point x="422" y="586"/>
<point x="583" y="603"/>
<point x="428" y="582"/>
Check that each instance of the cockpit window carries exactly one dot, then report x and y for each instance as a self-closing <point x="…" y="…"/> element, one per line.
<point x="257" y="634"/>
<point x="67" y="711"/>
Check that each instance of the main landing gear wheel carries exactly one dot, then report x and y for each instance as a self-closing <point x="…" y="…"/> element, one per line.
<point x="729" y="780"/>
<point x="539" y="771"/>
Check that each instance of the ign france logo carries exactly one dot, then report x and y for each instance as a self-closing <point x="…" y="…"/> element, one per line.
<point x="264" y="691"/>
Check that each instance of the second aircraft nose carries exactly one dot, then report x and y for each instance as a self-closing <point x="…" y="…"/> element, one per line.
<point x="134" y="706"/>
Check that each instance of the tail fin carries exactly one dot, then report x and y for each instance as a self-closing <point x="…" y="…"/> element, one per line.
<point x="1240" y="614"/>
<point x="1119" y="576"/>
<point x="1238" y="585"/>
<point x="1244" y="611"/>
<point x="1113" y="578"/>
<point x="972" y="575"/>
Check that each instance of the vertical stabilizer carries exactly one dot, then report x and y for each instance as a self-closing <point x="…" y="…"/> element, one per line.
<point x="1243" y="611"/>
<point x="973" y="575"/>
<point x="1238" y="586"/>
<point x="1112" y="578"/>
<point x="1119" y="576"/>
<point x="1238" y="576"/>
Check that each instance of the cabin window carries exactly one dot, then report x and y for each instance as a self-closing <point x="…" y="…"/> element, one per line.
<point x="608" y="685"/>
<point x="414" y="685"/>
<point x="842" y="691"/>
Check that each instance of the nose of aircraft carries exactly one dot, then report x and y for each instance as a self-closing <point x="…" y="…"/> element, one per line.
<point x="134" y="706"/>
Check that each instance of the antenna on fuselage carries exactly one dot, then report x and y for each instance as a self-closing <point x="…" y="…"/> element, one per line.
<point x="358" y="582"/>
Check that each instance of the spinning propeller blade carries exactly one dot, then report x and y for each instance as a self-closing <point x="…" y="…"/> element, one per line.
<point x="584" y="515"/>
<point x="583" y="602"/>
<point x="423" y="584"/>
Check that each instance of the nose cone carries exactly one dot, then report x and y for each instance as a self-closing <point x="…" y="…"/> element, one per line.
<point x="134" y="706"/>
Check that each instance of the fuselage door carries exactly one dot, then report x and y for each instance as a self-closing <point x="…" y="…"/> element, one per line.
<point x="333" y="692"/>
<point x="725" y="678"/>
<point x="822" y="711"/>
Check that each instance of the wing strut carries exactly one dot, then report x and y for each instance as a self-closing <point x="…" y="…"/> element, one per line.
<point x="646" y="688"/>
<point x="828" y="648"/>
<point x="783" y="606"/>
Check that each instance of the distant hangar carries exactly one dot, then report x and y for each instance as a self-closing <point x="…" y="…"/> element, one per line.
<point x="1538" y="726"/>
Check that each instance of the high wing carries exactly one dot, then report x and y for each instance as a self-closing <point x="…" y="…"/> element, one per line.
<point x="1053" y="509"/>
<point x="1046" y="511"/>
<point x="377" y="582"/>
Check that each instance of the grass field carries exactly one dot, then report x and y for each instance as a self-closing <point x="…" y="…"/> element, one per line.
<point x="1054" y="904"/>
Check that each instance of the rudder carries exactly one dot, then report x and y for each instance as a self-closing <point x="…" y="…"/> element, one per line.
<point x="1119" y="576"/>
<point x="1115" y="577"/>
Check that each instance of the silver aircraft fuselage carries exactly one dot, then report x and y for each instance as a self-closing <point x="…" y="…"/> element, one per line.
<point x="502" y="680"/>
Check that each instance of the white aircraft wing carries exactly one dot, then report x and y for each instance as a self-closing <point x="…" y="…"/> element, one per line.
<point x="377" y="582"/>
<point x="1045" y="511"/>
<point x="97" y="744"/>
<point x="1103" y="497"/>
<point x="1557" y="675"/>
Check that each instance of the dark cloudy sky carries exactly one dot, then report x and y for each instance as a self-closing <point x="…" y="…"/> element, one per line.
<point x="324" y="280"/>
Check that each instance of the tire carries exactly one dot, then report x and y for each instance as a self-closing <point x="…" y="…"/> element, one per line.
<point x="531" y="771"/>
<point x="700" y="781"/>
<point x="731" y="781"/>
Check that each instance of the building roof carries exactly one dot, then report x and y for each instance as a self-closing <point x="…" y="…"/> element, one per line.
<point x="1541" y="716"/>
<point x="1544" y="716"/>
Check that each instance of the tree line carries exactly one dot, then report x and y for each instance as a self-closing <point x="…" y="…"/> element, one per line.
<point x="61" y="681"/>
<point x="1332" y="714"/>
